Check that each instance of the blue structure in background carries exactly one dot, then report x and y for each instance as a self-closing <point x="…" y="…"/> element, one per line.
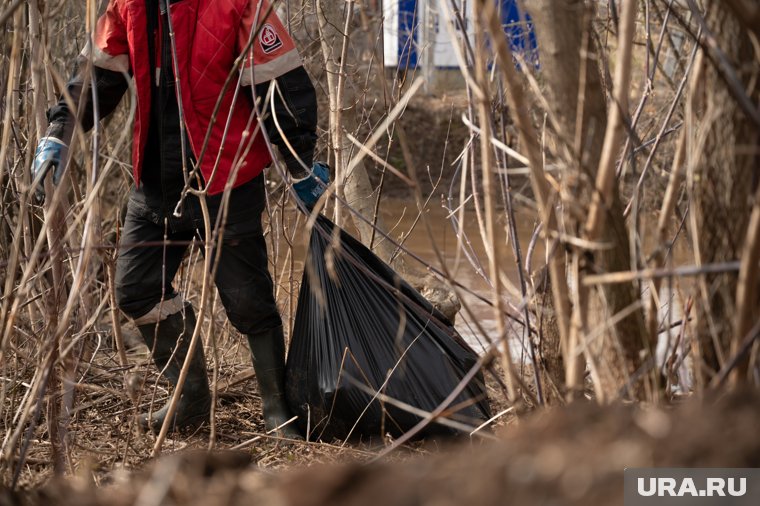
<point x="520" y="40"/>
<point x="408" y="34"/>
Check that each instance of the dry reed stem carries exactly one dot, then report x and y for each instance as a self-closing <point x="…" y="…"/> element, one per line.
<point x="56" y="317"/>
<point x="677" y="172"/>
<point x="618" y="114"/>
<point x="541" y="188"/>
<point x="605" y="192"/>
<point x="339" y="144"/>
<point x="493" y="244"/>
<point x="648" y="85"/>
<point x="746" y="292"/>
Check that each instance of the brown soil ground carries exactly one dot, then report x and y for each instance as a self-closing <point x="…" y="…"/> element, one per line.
<point x="574" y="455"/>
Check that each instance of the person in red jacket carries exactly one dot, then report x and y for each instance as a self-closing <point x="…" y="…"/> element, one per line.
<point x="195" y="110"/>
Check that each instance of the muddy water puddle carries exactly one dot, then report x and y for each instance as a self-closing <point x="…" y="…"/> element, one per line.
<point x="456" y="242"/>
<point x="467" y="261"/>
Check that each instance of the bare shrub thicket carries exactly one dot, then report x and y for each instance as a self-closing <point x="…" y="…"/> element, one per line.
<point x="632" y="149"/>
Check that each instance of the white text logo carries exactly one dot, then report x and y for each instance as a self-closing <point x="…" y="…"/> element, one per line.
<point x="715" y="487"/>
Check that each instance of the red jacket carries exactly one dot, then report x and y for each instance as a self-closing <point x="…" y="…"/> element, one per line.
<point x="209" y="35"/>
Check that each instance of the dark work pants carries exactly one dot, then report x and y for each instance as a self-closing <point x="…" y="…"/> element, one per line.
<point x="153" y="245"/>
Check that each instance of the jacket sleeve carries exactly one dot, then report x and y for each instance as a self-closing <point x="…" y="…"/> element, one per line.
<point x="110" y="58"/>
<point x="272" y="52"/>
<point x="272" y="58"/>
<point x="293" y="101"/>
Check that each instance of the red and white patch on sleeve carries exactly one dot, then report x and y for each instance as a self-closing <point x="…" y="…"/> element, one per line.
<point x="269" y="39"/>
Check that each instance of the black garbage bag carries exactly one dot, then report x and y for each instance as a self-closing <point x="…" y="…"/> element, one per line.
<point x="360" y="329"/>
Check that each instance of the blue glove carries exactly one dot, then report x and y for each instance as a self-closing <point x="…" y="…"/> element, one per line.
<point x="310" y="188"/>
<point x="49" y="155"/>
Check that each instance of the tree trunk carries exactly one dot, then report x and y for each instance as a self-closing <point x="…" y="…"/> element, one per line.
<point x="549" y="342"/>
<point x="578" y="107"/>
<point x="722" y="174"/>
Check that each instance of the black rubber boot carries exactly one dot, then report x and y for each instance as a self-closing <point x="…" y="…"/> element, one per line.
<point x="268" y="350"/>
<point x="195" y="403"/>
